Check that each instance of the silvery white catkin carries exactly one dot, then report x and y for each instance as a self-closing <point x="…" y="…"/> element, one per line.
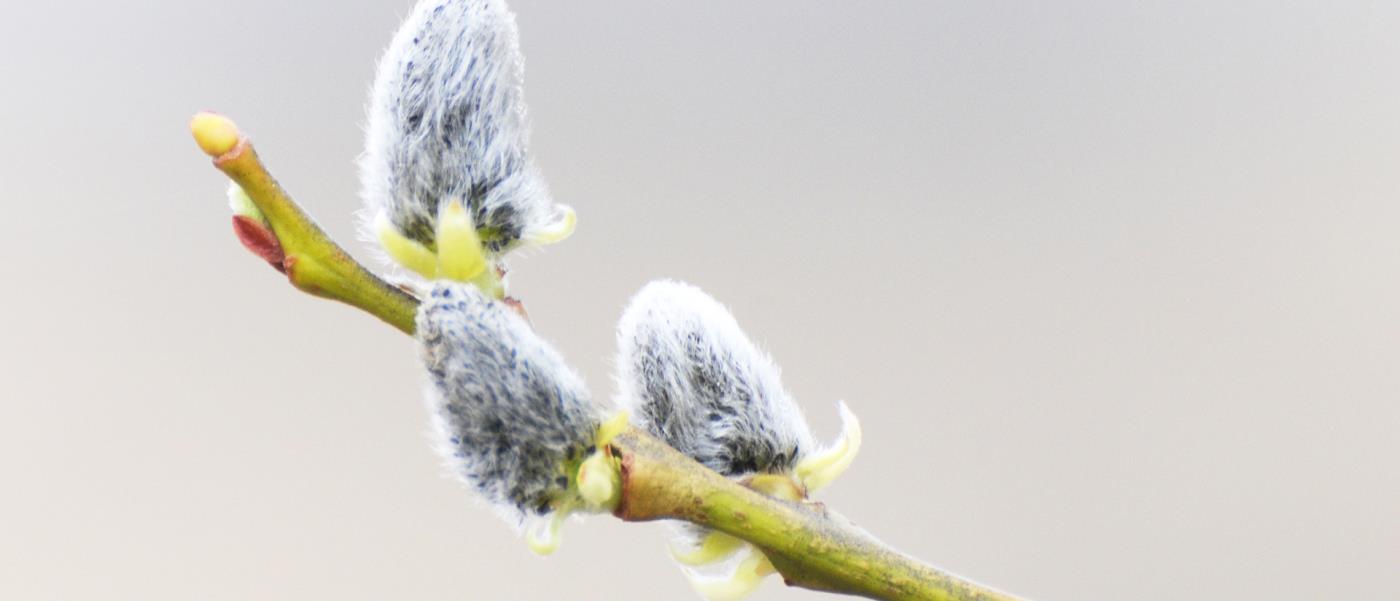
<point x="447" y="120"/>
<point x="690" y="377"/>
<point x="508" y="412"/>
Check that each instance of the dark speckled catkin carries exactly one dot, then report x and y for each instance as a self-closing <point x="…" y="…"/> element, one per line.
<point x="509" y="413"/>
<point x="447" y="121"/>
<point x="692" y="378"/>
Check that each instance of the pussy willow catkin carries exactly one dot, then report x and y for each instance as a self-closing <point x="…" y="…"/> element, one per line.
<point x="691" y="377"/>
<point x="447" y="121"/>
<point x="509" y="414"/>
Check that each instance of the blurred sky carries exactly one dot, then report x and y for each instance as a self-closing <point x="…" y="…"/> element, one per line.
<point x="1113" y="286"/>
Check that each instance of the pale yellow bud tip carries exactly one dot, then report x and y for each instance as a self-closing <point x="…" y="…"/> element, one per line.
<point x="409" y="253"/>
<point x="544" y="537"/>
<point x="745" y="579"/>
<point x="598" y="481"/>
<point x="460" y="255"/>
<point x="242" y="205"/>
<point x="562" y="227"/>
<point x="614" y="425"/>
<point x="215" y="133"/>
<point x="821" y="468"/>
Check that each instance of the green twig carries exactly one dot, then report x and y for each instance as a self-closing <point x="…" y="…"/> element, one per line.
<point x="810" y="548"/>
<point x="312" y="261"/>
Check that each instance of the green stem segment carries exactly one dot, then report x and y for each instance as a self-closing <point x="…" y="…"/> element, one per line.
<point x="810" y="548"/>
<point x="313" y="262"/>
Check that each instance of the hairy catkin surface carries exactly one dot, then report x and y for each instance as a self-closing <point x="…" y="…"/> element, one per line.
<point x="508" y="413"/>
<point x="692" y="378"/>
<point x="447" y="120"/>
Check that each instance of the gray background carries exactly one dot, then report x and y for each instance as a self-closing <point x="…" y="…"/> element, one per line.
<point x="1113" y="288"/>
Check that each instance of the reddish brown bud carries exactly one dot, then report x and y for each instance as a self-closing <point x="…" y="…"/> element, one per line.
<point x="259" y="240"/>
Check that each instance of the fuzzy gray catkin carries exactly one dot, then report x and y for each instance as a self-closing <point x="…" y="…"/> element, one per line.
<point x="508" y="412"/>
<point x="447" y="121"/>
<point x="690" y="377"/>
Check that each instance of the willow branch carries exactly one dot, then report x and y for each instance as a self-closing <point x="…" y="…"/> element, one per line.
<point x="809" y="546"/>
